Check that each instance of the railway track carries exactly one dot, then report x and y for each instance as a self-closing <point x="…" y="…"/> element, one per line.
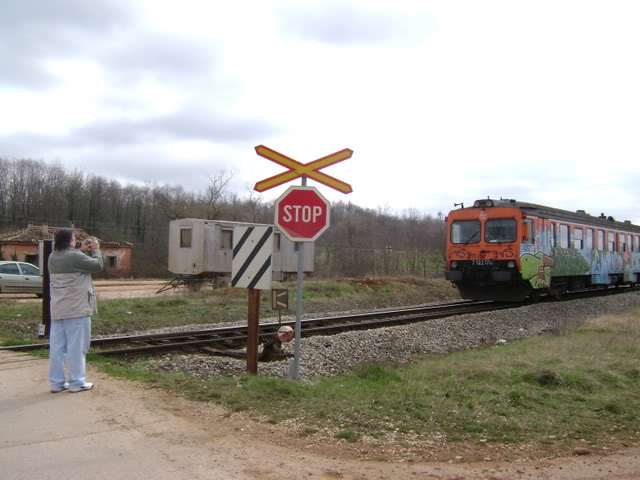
<point x="230" y="340"/>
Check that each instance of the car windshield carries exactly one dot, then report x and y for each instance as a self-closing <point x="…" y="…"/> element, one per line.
<point x="500" y="230"/>
<point x="465" y="232"/>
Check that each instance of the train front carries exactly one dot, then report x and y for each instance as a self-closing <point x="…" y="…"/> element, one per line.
<point x="483" y="251"/>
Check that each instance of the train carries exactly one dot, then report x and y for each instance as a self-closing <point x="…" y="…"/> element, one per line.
<point x="507" y="250"/>
<point x="203" y="249"/>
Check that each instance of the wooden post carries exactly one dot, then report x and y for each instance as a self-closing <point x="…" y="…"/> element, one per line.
<point x="253" y="331"/>
<point x="46" y="288"/>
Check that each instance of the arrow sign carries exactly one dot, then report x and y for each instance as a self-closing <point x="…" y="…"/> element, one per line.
<point x="279" y="298"/>
<point x="297" y="169"/>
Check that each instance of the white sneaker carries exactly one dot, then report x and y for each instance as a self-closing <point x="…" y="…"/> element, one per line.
<point x="65" y="386"/>
<point x="85" y="386"/>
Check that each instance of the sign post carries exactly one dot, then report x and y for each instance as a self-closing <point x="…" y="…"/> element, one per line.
<point x="251" y="269"/>
<point x="302" y="215"/>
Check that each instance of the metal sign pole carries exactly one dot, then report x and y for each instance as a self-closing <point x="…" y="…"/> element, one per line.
<point x="294" y="369"/>
<point x="253" y="331"/>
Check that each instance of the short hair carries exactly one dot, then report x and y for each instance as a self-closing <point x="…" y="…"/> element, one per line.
<point x="62" y="239"/>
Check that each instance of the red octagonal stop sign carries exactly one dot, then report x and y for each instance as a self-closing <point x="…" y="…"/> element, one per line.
<point x="302" y="214"/>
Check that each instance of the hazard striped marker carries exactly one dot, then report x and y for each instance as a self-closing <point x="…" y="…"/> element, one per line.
<point x="251" y="262"/>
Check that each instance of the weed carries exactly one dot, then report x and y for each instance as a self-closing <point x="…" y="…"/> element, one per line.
<point x="348" y="435"/>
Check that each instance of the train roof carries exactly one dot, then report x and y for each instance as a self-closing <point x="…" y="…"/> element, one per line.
<point x="579" y="216"/>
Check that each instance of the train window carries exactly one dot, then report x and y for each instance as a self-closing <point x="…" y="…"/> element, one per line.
<point x="611" y="241"/>
<point x="630" y="243"/>
<point x="589" y="239"/>
<point x="227" y="239"/>
<point x="622" y="244"/>
<point x="600" y="240"/>
<point x="500" y="230"/>
<point x="465" y="231"/>
<point x="637" y="243"/>
<point x="564" y="236"/>
<point x="276" y="242"/>
<point x="185" y="238"/>
<point x="530" y="232"/>
<point x="578" y="241"/>
<point x="554" y="234"/>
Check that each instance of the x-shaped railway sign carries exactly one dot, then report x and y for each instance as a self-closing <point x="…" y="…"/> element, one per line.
<point x="297" y="169"/>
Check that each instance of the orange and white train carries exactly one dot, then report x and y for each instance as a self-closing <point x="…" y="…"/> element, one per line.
<point x="509" y="250"/>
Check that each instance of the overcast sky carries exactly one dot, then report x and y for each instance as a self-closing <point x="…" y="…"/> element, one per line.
<point x="441" y="101"/>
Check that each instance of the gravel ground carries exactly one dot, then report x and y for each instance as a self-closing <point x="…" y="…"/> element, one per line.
<point x="337" y="354"/>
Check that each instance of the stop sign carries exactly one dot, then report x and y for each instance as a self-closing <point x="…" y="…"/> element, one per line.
<point x="302" y="214"/>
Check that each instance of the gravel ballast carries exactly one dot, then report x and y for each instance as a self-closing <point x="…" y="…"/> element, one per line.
<point x="338" y="354"/>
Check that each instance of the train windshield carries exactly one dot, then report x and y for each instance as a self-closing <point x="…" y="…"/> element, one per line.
<point x="465" y="232"/>
<point x="500" y="230"/>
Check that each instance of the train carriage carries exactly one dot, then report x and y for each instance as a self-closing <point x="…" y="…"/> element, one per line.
<point x="509" y="250"/>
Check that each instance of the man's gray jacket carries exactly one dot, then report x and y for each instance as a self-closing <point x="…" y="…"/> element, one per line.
<point x="72" y="293"/>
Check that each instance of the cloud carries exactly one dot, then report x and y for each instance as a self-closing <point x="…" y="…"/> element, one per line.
<point x="342" y="23"/>
<point x="33" y="32"/>
<point x="189" y="124"/>
<point x="164" y="58"/>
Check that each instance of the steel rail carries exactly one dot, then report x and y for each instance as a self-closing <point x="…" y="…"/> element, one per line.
<point x="235" y="336"/>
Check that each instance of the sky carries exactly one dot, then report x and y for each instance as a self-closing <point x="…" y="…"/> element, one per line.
<point x="442" y="102"/>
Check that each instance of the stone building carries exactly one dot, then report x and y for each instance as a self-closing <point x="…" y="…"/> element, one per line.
<point x="23" y="245"/>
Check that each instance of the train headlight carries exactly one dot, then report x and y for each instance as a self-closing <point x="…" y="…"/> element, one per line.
<point x="454" y="264"/>
<point x="511" y="264"/>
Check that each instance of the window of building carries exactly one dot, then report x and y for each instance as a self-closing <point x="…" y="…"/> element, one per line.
<point x="276" y="242"/>
<point x="600" y="240"/>
<point x="32" y="259"/>
<point x="185" y="238"/>
<point x="465" y="232"/>
<point x="227" y="239"/>
<point x="112" y="261"/>
<point x="500" y="230"/>
<point x="589" y="239"/>
<point x="578" y="241"/>
<point x="611" y="241"/>
<point x="564" y="236"/>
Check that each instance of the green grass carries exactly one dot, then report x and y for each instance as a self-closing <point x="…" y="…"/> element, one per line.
<point x="579" y="386"/>
<point x="19" y="320"/>
<point x="552" y="391"/>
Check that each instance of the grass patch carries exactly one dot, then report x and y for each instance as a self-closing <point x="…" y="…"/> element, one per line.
<point x="19" y="320"/>
<point x="568" y="388"/>
<point x="582" y="385"/>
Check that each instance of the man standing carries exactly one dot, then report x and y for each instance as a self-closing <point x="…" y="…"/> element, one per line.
<point x="73" y="301"/>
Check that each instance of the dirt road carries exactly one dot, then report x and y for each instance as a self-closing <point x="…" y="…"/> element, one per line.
<point x="125" y="430"/>
<point x="110" y="289"/>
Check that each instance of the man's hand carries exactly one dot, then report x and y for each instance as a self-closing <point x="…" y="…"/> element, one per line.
<point x="89" y="244"/>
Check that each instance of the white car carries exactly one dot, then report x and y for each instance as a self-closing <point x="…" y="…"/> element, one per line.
<point x="20" y="277"/>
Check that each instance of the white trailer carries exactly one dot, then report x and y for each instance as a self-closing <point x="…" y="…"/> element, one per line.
<point x="204" y="248"/>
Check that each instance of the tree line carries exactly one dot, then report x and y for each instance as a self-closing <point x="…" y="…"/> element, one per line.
<point x="359" y="242"/>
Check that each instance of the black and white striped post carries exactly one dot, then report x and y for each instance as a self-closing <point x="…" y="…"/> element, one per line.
<point x="251" y="269"/>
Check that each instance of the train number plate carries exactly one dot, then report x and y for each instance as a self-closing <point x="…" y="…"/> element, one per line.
<point x="482" y="262"/>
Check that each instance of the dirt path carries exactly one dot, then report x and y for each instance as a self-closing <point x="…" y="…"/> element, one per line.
<point x="127" y="430"/>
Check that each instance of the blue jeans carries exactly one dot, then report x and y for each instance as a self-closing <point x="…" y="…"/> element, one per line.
<point x="69" y="340"/>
